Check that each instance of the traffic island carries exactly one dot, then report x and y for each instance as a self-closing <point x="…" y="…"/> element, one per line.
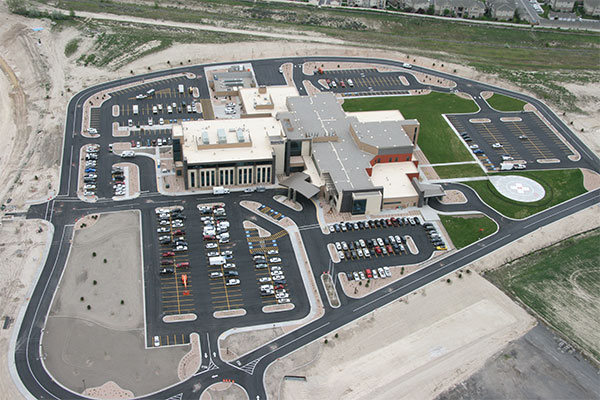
<point x="179" y="318"/>
<point x="329" y="286"/>
<point x="278" y="308"/>
<point x="190" y="363"/>
<point x="238" y="312"/>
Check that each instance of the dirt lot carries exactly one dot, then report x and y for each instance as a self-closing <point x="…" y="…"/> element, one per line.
<point x="101" y="338"/>
<point x="22" y="249"/>
<point x="535" y="366"/>
<point x="442" y="334"/>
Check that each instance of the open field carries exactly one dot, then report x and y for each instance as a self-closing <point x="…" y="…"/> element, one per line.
<point x="562" y="285"/>
<point x="95" y="328"/>
<point x="537" y="366"/>
<point x="464" y="230"/>
<point x="505" y="103"/>
<point x="560" y="185"/>
<point x="445" y="332"/>
<point x="459" y="171"/>
<point x="437" y="140"/>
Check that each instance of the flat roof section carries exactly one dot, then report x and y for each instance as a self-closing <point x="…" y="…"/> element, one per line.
<point x="251" y="98"/>
<point x="256" y="144"/>
<point x="377" y="116"/>
<point x="394" y="179"/>
<point x="297" y="181"/>
<point x="382" y="135"/>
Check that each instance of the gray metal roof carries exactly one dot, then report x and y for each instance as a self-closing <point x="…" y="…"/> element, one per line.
<point x="297" y="181"/>
<point x="429" y="189"/>
<point x="311" y="117"/>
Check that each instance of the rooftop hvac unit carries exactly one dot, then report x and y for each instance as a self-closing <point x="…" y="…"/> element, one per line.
<point x="221" y="136"/>
<point x="205" y="137"/>
<point x="240" y="136"/>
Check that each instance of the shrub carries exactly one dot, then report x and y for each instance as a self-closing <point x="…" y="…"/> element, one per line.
<point x="81" y="298"/>
<point x="105" y="261"/>
<point x="94" y="254"/>
<point x="95" y="282"/>
<point x="89" y="307"/>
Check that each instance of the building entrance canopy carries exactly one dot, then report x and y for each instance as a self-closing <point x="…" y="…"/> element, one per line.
<point x="297" y="181"/>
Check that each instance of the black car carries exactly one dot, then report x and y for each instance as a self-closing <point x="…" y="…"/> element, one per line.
<point x="279" y="281"/>
<point x="229" y="273"/>
<point x="417" y="220"/>
<point x="351" y="246"/>
<point x="336" y="227"/>
<point x="165" y="241"/>
<point x="349" y="276"/>
<point x="166" y="270"/>
<point x="361" y="225"/>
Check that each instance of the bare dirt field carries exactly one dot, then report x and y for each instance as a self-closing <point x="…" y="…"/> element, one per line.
<point x="442" y="334"/>
<point x="22" y="250"/>
<point x="95" y="330"/>
<point x="536" y="366"/>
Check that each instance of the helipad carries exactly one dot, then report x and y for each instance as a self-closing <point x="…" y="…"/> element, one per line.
<point x="518" y="188"/>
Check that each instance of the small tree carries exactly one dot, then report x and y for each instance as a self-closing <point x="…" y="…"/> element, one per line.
<point x="448" y="280"/>
<point x="122" y="302"/>
<point x="95" y="282"/>
<point x="94" y="254"/>
<point x="326" y="341"/>
<point x="81" y="298"/>
<point x="105" y="261"/>
<point x="336" y="335"/>
<point x="89" y="307"/>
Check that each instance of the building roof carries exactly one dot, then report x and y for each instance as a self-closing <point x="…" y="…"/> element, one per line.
<point x="228" y="140"/>
<point x="392" y="177"/>
<point x="297" y="181"/>
<point x="429" y="189"/>
<point x="251" y="98"/>
<point x="376" y="116"/>
<point x="322" y="119"/>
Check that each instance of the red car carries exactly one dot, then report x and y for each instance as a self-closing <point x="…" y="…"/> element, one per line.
<point x="377" y="249"/>
<point x="342" y="84"/>
<point x="389" y="249"/>
<point x="369" y="273"/>
<point x="178" y="232"/>
<point x="166" y="262"/>
<point x="209" y="237"/>
<point x="277" y="287"/>
<point x="183" y="265"/>
<point x="168" y="254"/>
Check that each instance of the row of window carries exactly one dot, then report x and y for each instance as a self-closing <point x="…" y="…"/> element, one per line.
<point x="227" y="176"/>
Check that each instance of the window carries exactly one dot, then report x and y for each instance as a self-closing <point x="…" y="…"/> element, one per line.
<point x="390" y="160"/>
<point x="239" y="176"/>
<point x="258" y="174"/>
<point x="193" y="179"/>
<point x="250" y="175"/>
<point x="245" y="175"/>
<point x="212" y="178"/>
<point x="202" y="180"/>
<point x="359" y="206"/>
<point x="407" y="158"/>
<point x="396" y="160"/>
<point x="221" y="177"/>
<point x="268" y="174"/>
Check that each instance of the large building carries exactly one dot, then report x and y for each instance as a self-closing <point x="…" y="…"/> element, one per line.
<point x="345" y="152"/>
<point x="359" y="162"/>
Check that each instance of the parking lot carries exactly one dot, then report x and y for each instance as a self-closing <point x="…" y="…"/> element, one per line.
<point x="374" y="244"/>
<point x="176" y="277"/>
<point x="516" y="136"/>
<point x="353" y="81"/>
<point x="163" y="94"/>
<point x="270" y="266"/>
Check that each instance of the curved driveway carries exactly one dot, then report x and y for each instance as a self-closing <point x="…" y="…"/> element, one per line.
<point x="248" y="371"/>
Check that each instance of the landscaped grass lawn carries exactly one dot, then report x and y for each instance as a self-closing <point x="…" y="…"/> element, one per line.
<point x="505" y="103"/>
<point x="468" y="229"/>
<point x="459" y="171"/>
<point x="560" y="283"/>
<point x="560" y="185"/>
<point x="437" y="140"/>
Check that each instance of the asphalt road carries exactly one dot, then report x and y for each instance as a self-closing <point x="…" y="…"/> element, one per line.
<point x="247" y="371"/>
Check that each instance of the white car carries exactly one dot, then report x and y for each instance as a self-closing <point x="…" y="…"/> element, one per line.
<point x="506" y="157"/>
<point x="359" y="252"/>
<point x="338" y="246"/>
<point x="407" y="65"/>
<point x="150" y="121"/>
<point x="161" y="121"/>
<point x="282" y="301"/>
<point x="215" y="275"/>
<point x="92" y="130"/>
<point x="474" y="147"/>
<point x="162" y="229"/>
<point x="264" y="279"/>
<point x="367" y="253"/>
<point x="156" y="341"/>
<point x="275" y="259"/>
<point x="341" y="255"/>
<point x="232" y="282"/>
<point x="229" y="265"/>
<point x="211" y="245"/>
<point x="387" y="271"/>
<point x="282" y="295"/>
<point x="375" y="275"/>
<point x="272" y="252"/>
<point x="497" y="145"/>
<point x="381" y="272"/>
<point x="275" y="268"/>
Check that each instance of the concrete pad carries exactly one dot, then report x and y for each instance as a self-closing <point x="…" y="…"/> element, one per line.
<point x="518" y="188"/>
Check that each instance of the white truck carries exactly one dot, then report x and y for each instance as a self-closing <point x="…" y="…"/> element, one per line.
<point x="219" y="260"/>
<point x="136" y="109"/>
<point x="506" y="166"/>
<point x="181" y="89"/>
<point x="220" y="190"/>
<point x="128" y="154"/>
